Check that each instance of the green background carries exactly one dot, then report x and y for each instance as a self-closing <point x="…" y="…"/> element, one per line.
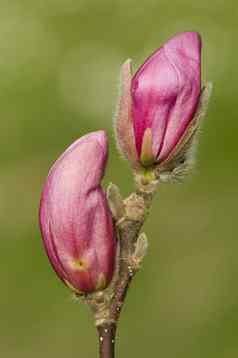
<point x="59" y="66"/>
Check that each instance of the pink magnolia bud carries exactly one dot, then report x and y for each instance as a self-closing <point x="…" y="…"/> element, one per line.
<point x="75" y="220"/>
<point x="158" y="103"/>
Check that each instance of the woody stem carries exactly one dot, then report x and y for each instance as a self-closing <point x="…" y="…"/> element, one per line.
<point x="128" y="229"/>
<point x="106" y="335"/>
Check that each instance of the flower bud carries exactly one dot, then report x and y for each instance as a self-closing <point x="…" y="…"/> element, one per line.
<point x="75" y="220"/>
<point x="158" y="104"/>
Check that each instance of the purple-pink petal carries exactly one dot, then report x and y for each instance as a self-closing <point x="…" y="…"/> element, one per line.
<point x="165" y="93"/>
<point x="75" y="220"/>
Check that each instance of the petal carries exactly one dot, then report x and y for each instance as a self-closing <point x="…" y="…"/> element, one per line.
<point x="165" y="92"/>
<point x="184" y="53"/>
<point x="75" y="220"/>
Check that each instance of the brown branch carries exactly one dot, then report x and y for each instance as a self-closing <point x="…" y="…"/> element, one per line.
<point x="127" y="236"/>
<point x="106" y="335"/>
<point x="107" y="305"/>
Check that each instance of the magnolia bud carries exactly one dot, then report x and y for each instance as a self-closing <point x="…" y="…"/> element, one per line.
<point x="75" y="221"/>
<point x="158" y="104"/>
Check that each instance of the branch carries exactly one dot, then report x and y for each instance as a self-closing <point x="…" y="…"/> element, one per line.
<point x="106" y="334"/>
<point x="129" y="216"/>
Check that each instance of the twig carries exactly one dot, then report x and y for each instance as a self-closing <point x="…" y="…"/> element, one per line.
<point x="129" y="218"/>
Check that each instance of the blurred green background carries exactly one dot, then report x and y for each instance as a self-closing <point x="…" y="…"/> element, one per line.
<point x="59" y="65"/>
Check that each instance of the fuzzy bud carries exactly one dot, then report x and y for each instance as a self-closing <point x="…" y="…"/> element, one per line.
<point x="75" y="220"/>
<point x="158" y="104"/>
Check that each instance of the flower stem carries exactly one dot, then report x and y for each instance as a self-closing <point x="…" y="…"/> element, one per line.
<point x="107" y="304"/>
<point x="106" y="335"/>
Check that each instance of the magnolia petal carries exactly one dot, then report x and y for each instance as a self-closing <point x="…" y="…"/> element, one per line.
<point x="75" y="220"/>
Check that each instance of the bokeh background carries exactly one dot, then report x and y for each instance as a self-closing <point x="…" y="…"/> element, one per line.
<point x="59" y="65"/>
